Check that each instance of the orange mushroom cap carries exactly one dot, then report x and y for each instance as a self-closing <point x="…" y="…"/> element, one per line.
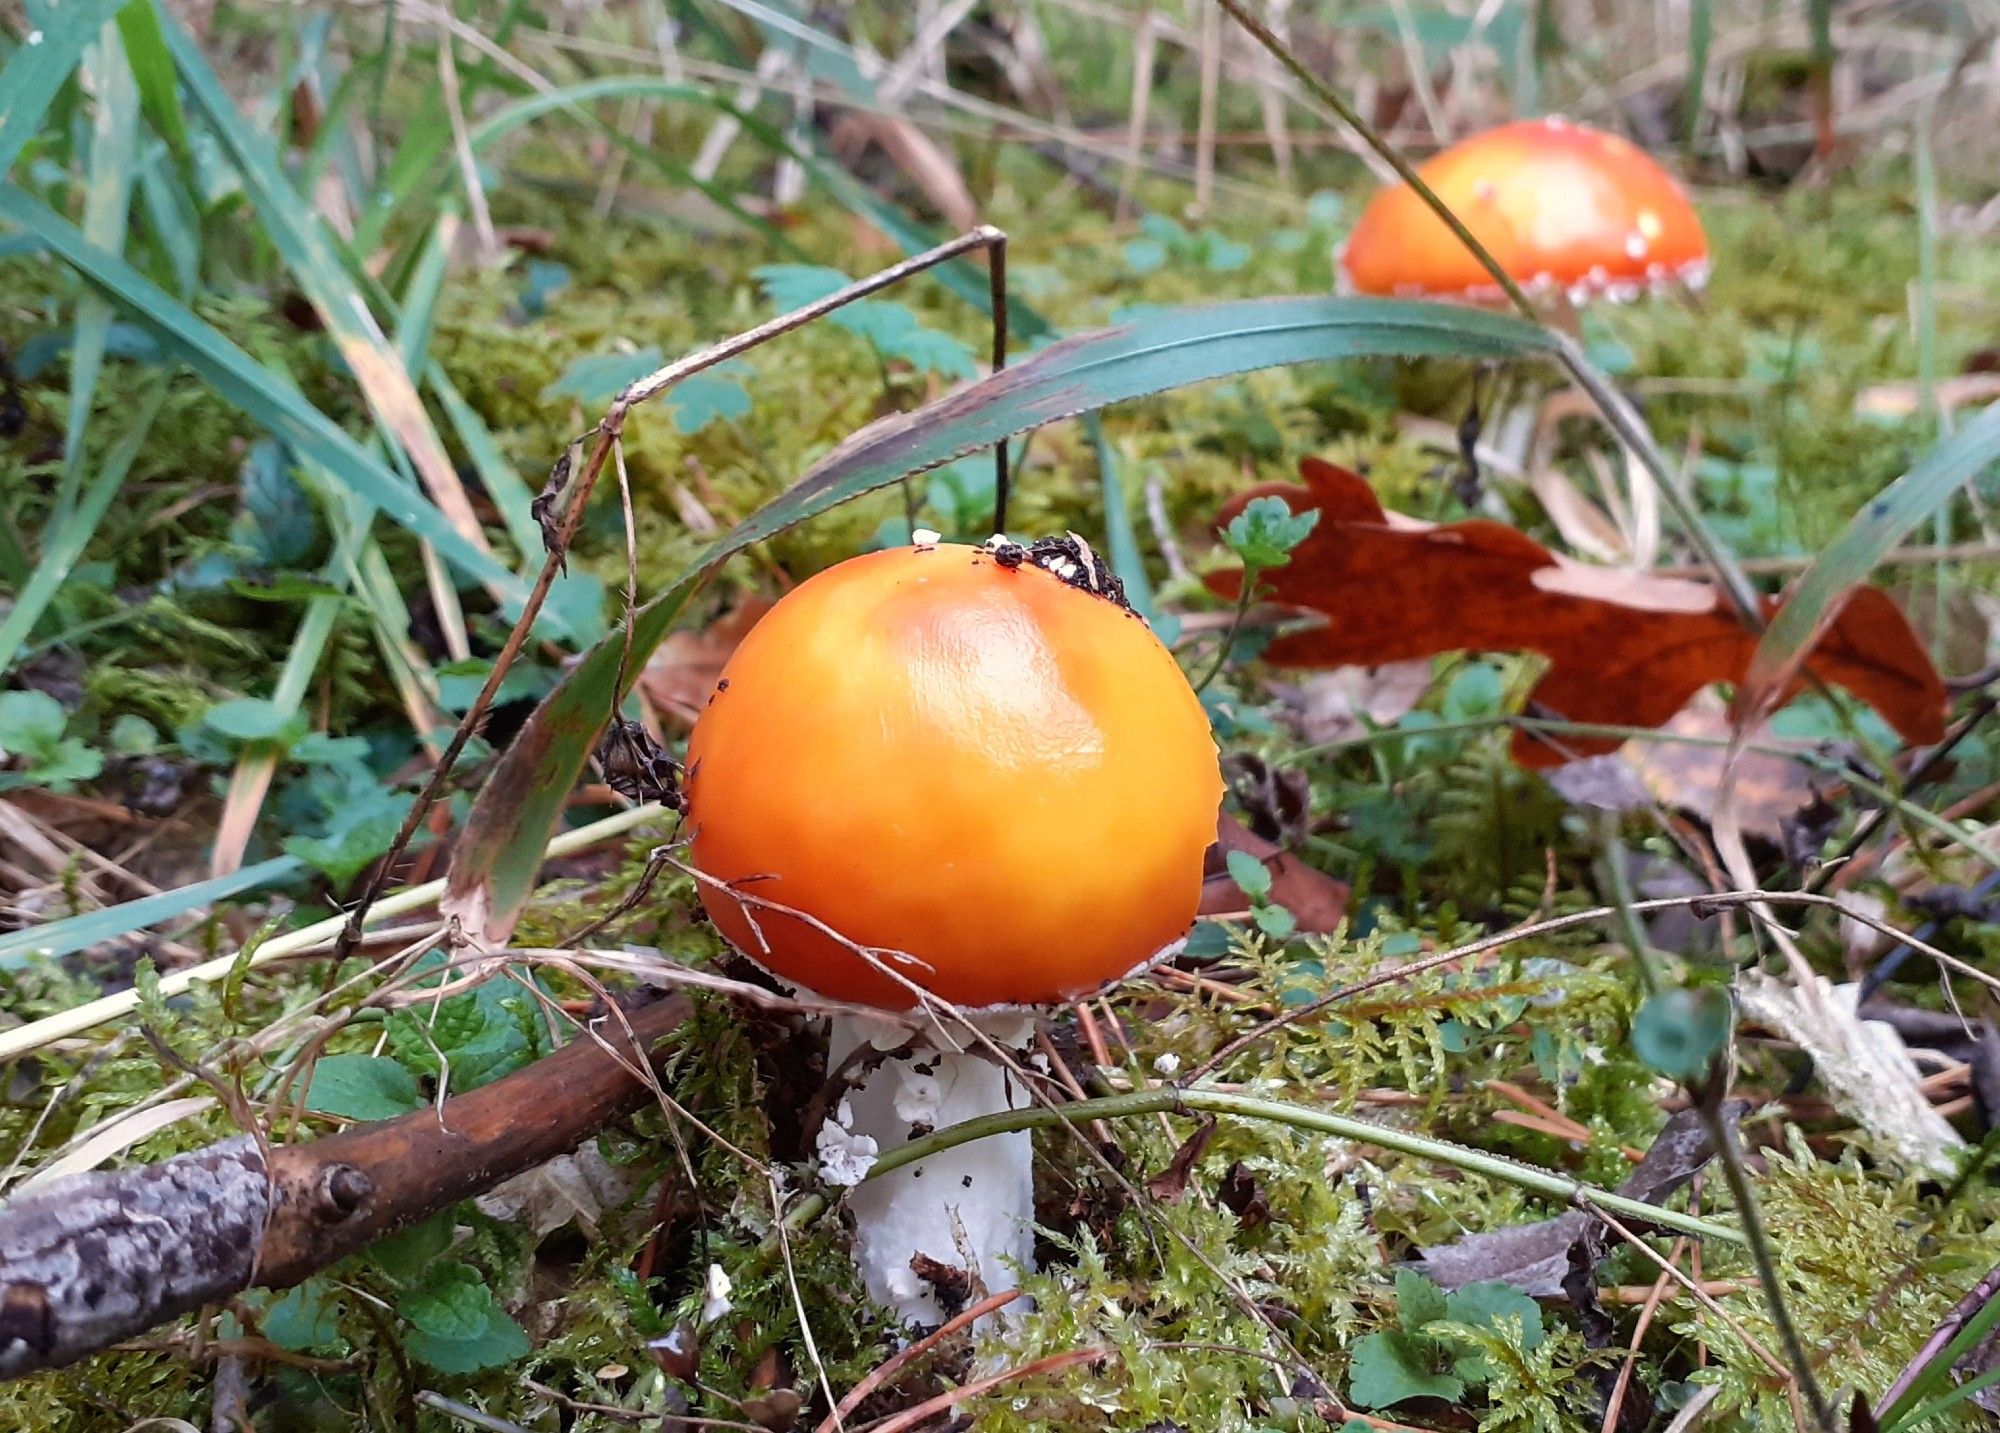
<point x="1559" y="205"/>
<point x="980" y="766"/>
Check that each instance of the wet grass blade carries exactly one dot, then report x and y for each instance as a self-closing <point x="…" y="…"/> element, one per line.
<point x="265" y="398"/>
<point x="1868" y="538"/>
<point x="36" y="71"/>
<point x="494" y="869"/>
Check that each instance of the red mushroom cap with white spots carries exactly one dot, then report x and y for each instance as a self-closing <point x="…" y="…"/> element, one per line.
<point x="1562" y="208"/>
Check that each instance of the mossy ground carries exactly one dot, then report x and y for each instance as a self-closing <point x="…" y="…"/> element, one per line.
<point x="1211" y="1318"/>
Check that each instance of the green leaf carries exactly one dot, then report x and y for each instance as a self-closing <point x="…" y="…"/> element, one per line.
<point x="598" y="378"/>
<point x="891" y="327"/>
<point x="153" y="68"/>
<point x="362" y="1087"/>
<point x="405" y="1256"/>
<point x="253" y="719"/>
<point x="701" y="398"/>
<point x="1418" y="1301"/>
<point x="457" y="1326"/>
<point x="58" y="769"/>
<point x="790" y="286"/>
<point x="1388" y="1368"/>
<point x="107" y="200"/>
<point x="448" y="1301"/>
<point x="1680" y="1032"/>
<point x="1251" y="874"/>
<point x="1275" y="921"/>
<point x="360" y="831"/>
<point x="1265" y="533"/>
<point x="134" y="736"/>
<point x="37" y="69"/>
<point x="487" y="1032"/>
<point x="495" y="864"/>
<point x="303" y="1318"/>
<point x="31" y="724"/>
<point x="1482" y="1306"/>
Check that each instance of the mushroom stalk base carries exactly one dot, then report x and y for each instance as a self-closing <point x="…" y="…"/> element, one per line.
<point x="934" y="1233"/>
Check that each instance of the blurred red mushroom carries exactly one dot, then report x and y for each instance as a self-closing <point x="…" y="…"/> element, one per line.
<point x="1565" y="209"/>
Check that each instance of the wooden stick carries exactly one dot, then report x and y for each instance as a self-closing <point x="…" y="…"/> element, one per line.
<point x="94" y="1258"/>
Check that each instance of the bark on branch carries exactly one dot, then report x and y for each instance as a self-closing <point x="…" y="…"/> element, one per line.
<point x="102" y="1256"/>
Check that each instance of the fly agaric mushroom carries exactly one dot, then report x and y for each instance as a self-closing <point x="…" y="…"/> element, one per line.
<point x="970" y="773"/>
<point x="1562" y="207"/>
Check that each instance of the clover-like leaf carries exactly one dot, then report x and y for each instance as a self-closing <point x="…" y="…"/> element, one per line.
<point x="1388" y="1368"/>
<point x="362" y="1087"/>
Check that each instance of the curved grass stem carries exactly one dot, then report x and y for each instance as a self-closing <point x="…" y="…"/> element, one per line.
<point x="1170" y="1099"/>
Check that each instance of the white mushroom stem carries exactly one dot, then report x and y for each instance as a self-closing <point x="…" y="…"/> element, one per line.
<point x="970" y="1208"/>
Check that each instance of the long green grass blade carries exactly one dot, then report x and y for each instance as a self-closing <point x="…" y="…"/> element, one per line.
<point x="38" y="68"/>
<point x="314" y="259"/>
<point x="66" y="541"/>
<point x="265" y="398"/>
<point x="107" y="199"/>
<point x="153" y="70"/>
<point x="170" y="214"/>
<point x="1868" y="538"/>
<point x="493" y="871"/>
<point x="64" y="937"/>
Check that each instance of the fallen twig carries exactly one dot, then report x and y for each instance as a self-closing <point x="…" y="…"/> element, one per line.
<point x="94" y="1258"/>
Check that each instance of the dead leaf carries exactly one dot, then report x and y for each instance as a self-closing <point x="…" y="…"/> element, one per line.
<point x="1770" y="789"/>
<point x="1242" y="1194"/>
<point x="681" y="674"/>
<point x="1170" y="1185"/>
<point x="571" y="1188"/>
<point x="1315" y="898"/>
<point x="1864" y="1065"/>
<point x="1624" y="648"/>
<point x="1342" y="704"/>
<point x="1534" y="1258"/>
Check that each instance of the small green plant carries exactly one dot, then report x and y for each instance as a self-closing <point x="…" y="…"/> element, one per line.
<point x="889" y="327"/>
<point x="1254" y="877"/>
<point x="1264" y="535"/>
<point x="1444" y="1344"/>
<point x="32" y="742"/>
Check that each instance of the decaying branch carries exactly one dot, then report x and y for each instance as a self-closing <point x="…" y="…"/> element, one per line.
<point x="97" y="1257"/>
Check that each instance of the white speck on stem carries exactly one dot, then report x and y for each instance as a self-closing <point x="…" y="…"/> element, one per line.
<point x="844" y="1156"/>
<point x="34" y="37"/>
<point x="1167" y="1064"/>
<point x="715" y="1295"/>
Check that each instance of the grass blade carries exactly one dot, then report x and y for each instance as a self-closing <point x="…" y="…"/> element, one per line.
<point x="65" y="937"/>
<point x="29" y="84"/>
<point x="66" y="541"/>
<point x="313" y="259"/>
<point x="1701" y="36"/>
<point x="153" y="71"/>
<point x="1867" y="539"/>
<point x="107" y="199"/>
<point x="494" y="868"/>
<point x="265" y="398"/>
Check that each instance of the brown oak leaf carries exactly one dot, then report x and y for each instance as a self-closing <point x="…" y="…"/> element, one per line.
<point x="1624" y="648"/>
